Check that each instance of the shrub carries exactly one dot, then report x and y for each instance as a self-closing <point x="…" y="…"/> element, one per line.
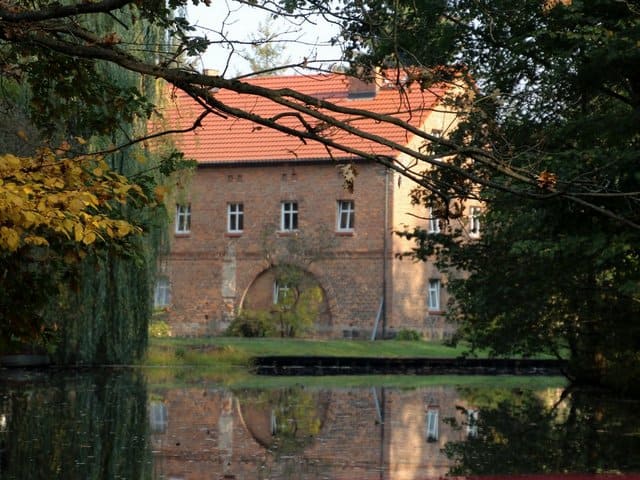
<point x="252" y="323"/>
<point x="159" y="328"/>
<point x="406" y="334"/>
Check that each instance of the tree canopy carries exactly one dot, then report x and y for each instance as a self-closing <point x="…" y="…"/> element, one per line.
<point x="553" y="58"/>
<point x="548" y="97"/>
<point x="557" y="274"/>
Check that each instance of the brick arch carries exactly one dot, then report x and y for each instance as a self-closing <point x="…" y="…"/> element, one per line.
<point x="254" y="272"/>
<point x="258" y="270"/>
<point x="326" y="284"/>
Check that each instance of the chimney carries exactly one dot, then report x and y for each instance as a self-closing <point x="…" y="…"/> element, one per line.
<point x="364" y="88"/>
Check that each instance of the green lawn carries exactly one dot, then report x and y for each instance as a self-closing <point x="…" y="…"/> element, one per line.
<point x="224" y="361"/>
<point x="238" y="351"/>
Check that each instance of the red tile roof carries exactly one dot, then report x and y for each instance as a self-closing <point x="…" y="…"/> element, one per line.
<point x="233" y="140"/>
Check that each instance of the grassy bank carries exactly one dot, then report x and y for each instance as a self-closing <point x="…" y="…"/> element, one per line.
<point x="234" y="351"/>
<point x="224" y="361"/>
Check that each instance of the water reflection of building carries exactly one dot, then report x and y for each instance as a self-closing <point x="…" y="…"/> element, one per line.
<point x="298" y="433"/>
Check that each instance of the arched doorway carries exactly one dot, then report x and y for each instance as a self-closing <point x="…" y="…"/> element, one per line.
<point x="293" y="295"/>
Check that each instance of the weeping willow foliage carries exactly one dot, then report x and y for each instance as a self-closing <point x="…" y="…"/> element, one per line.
<point x="87" y="426"/>
<point x="103" y="313"/>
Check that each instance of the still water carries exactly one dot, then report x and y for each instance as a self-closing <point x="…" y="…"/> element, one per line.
<point x="124" y="424"/>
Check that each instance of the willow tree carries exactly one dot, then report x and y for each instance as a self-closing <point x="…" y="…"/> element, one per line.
<point x="80" y="217"/>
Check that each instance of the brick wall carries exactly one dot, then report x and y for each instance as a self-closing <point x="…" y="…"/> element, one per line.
<point x="211" y="271"/>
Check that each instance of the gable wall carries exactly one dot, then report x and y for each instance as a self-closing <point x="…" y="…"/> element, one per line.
<point x="409" y="284"/>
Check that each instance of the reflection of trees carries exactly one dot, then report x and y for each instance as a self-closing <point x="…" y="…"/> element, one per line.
<point x="522" y="432"/>
<point x="76" y="427"/>
<point x="295" y="417"/>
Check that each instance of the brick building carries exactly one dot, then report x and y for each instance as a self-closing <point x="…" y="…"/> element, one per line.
<point x="260" y="198"/>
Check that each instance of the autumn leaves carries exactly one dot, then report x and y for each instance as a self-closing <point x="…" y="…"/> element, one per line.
<point x="45" y="197"/>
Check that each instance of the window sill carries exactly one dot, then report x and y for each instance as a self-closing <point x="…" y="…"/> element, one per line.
<point x="233" y="234"/>
<point x="436" y="312"/>
<point x="345" y="233"/>
<point x="182" y="234"/>
<point x="287" y="233"/>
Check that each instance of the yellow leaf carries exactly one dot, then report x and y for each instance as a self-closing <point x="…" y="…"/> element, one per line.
<point x="9" y="162"/>
<point x="36" y="240"/>
<point x="75" y="206"/>
<point x="124" y="229"/>
<point x="89" y="238"/>
<point x="78" y="232"/>
<point x="67" y="225"/>
<point x="29" y="218"/>
<point x="10" y="238"/>
<point x="98" y="172"/>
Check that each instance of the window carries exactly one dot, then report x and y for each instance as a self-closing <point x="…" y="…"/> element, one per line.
<point x="183" y="218"/>
<point x="346" y="215"/>
<point x="281" y="292"/>
<point x="235" y="218"/>
<point x="472" y="423"/>
<point x="433" y="225"/>
<point x="158" y="417"/>
<point x="432" y="424"/>
<point x="289" y="216"/>
<point x="434" y="295"/>
<point x="474" y="221"/>
<point x="161" y="296"/>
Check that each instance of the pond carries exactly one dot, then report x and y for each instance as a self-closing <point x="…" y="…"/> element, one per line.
<point x="120" y="424"/>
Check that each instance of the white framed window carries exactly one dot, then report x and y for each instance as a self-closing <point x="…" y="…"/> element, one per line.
<point x="432" y="430"/>
<point x="433" y="222"/>
<point x="472" y="423"/>
<point x="158" y="417"/>
<point x="289" y="216"/>
<point x="434" y="295"/>
<point x="474" y="222"/>
<point x="281" y="292"/>
<point x="346" y="216"/>
<point x="235" y="217"/>
<point x="183" y="218"/>
<point x="161" y="295"/>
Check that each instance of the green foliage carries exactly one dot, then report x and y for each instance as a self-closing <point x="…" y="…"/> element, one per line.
<point x="557" y="87"/>
<point x="159" y="329"/>
<point x="294" y="315"/>
<point x="526" y="432"/>
<point x="251" y="323"/>
<point x="407" y="334"/>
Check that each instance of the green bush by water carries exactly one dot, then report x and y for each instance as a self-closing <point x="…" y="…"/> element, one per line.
<point x="410" y="335"/>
